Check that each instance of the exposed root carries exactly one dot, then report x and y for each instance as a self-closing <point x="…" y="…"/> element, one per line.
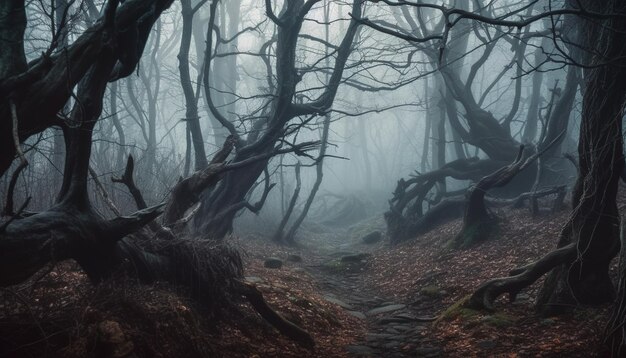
<point x="287" y="328"/>
<point x="406" y="217"/>
<point x="487" y="293"/>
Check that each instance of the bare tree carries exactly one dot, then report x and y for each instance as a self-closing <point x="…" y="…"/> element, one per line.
<point x="220" y="206"/>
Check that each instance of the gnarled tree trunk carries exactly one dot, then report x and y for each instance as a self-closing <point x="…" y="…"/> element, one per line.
<point x="589" y="240"/>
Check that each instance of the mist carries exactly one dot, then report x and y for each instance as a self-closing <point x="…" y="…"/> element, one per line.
<point x="305" y="178"/>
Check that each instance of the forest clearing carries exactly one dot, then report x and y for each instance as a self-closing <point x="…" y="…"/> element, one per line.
<point x="312" y="178"/>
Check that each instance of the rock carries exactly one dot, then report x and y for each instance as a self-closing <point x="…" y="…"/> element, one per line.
<point x="385" y="309"/>
<point x="253" y="279"/>
<point x="547" y="321"/>
<point x="357" y="314"/>
<point x="404" y="317"/>
<point x="392" y="344"/>
<point x="341" y="253"/>
<point x="356" y="258"/>
<point x="291" y="317"/>
<point x="486" y="344"/>
<point x="273" y="262"/>
<point x="344" y="246"/>
<point x="377" y="336"/>
<point x="428" y="352"/>
<point x="431" y="291"/>
<point x="360" y="350"/>
<point x="338" y="302"/>
<point x="392" y="330"/>
<point x="372" y="238"/>
<point x="499" y="320"/>
<point x="294" y="258"/>
<point x="402" y="327"/>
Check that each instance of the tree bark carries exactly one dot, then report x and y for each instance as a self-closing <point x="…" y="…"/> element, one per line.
<point x="219" y="207"/>
<point x="191" y="104"/>
<point x="590" y="238"/>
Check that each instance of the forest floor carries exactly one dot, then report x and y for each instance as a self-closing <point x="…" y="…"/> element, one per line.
<point x="356" y="299"/>
<point x="404" y="296"/>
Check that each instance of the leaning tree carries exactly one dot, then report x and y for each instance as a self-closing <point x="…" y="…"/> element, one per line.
<point x="270" y="129"/>
<point x="33" y="95"/>
<point x="479" y="127"/>
<point x="579" y="267"/>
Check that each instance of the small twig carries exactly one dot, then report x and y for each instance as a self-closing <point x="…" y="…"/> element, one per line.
<point x="103" y="193"/>
<point x="128" y="180"/>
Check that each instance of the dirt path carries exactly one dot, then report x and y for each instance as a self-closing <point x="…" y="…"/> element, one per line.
<point x="394" y="329"/>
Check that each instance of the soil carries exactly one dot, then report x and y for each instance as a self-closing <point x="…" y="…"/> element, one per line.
<point x="356" y="299"/>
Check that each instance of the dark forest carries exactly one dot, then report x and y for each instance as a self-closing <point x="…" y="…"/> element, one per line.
<point x="312" y="178"/>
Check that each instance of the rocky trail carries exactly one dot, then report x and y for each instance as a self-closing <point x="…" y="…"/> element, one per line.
<point x="394" y="329"/>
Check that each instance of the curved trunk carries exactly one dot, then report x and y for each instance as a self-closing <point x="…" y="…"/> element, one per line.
<point x="594" y="224"/>
<point x="214" y="219"/>
<point x="191" y="103"/>
<point x="590" y="238"/>
<point x="219" y="207"/>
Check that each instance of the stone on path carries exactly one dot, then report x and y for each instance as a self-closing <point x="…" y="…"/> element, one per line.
<point x="487" y="344"/>
<point x="356" y="258"/>
<point x="403" y="318"/>
<point x="385" y="309"/>
<point x="361" y="350"/>
<point x="357" y="314"/>
<point x="253" y="279"/>
<point x="378" y="336"/>
<point x="338" y="302"/>
<point x="273" y="262"/>
<point x="373" y="237"/>
<point x="428" y="352"/>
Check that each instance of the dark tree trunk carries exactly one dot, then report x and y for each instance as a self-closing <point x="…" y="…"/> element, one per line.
<point x="427" y="130"/>
<point x="481" y="129"/>
<point x="279" y="235"/>
<point x="594" y="224"/>
<point x="12" y="28"/>
<point x="405" y="217"/>
<point x="73" y="230"/>
<point x="220" y="205"/>
<point x="478" y="222"/>
<point x="590" y="239"/>
<point x="532" y="117"/>
<point x="191" y="101"/>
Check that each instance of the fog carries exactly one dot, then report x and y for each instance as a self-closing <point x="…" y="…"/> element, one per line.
<point x="389" y="92"/>
<point x="367" y="177"/>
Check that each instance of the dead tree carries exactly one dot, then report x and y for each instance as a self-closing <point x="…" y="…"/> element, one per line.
<point x="480" y="127"/>
<point x="406" y="217"/>
<point x="220" y="205"/>
<point x="590" y="238"/>
<point x="319" y="163"/>
<point x="191" y="98"/>
<point x="71" y="229"/>
<point x="478" y="222"/>
<point x="279" y="236"/>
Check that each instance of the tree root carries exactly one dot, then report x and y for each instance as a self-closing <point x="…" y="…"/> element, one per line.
<point x="488" y="292"/>
<point x="287" y="328"/>
<point x="405" y="218"/>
